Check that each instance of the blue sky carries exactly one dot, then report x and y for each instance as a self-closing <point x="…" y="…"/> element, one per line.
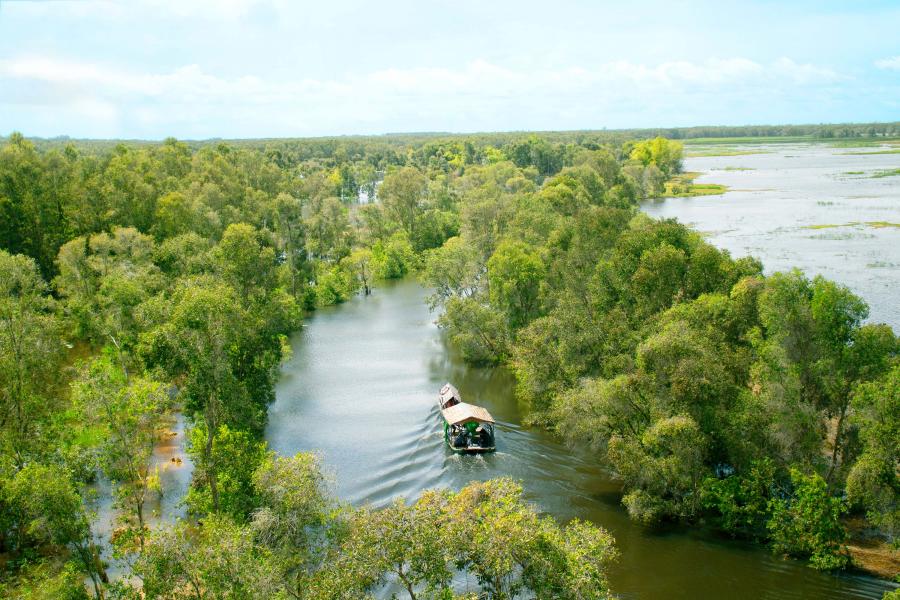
<point x="257" y="68"/>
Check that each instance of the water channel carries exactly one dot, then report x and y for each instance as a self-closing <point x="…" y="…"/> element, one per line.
<point x="360" y="389"/>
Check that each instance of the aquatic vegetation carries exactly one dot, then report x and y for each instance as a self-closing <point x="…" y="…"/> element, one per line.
<point x="891" y="151"/>
<point x="724" y="152"/>
<point x="683" y="186"/>
<point x="873" y="224"/>
<point x="886" y="173"/>
<point x="738" y="169"/>
<point x="880" y="264"/>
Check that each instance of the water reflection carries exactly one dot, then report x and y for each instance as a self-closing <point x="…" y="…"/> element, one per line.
<point x="361" y="389"/>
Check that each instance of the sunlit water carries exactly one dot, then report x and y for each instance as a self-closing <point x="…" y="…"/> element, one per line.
<point x="361" y="388"/>
<point x="772" y="211"/>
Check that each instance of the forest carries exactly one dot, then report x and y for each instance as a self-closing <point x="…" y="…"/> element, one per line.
<point x="142" y="280"/>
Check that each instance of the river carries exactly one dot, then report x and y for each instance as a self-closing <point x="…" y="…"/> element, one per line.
<point x="361" y="387"/>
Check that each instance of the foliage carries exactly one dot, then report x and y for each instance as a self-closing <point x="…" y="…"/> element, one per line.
<point x="178" y="269"/>
<point x="807" y="523"/>
<point x="873" y="481"/>
<point x="215" y="559"/>
<point x="129" y="414"/>
<point x="230" y="462"/>
<point x="742" y="501"/>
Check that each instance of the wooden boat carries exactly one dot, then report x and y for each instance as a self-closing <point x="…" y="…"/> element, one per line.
<point x="467" y="428"/>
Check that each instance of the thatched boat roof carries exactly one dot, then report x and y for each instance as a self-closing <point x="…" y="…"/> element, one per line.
<point x="465" y="413"/>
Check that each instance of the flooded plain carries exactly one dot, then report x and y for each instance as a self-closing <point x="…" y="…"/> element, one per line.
<point x="827" y="210"/>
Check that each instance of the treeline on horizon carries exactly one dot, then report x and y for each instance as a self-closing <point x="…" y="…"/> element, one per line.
<point x="324" y="146"/>
<point x="141" y="279"/>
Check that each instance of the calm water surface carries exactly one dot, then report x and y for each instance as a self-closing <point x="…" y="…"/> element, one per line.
<point x="776" y="208"/>
<point x="361" y="389"/>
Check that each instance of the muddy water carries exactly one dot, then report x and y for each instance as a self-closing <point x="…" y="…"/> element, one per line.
<point x="812" y="206"/>
<point x="361" y="389"/>
<point x="174" y="467"/>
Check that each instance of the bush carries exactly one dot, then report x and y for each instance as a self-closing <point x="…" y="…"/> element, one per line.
<point x="808" y="525"/>
<point x="742" y="501"/>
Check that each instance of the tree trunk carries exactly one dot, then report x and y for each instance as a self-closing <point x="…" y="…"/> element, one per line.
<point x="210" y="467"/>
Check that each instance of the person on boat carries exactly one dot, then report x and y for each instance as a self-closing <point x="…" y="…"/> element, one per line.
<point x="484" y="437"/>
<point x="460" y="441"/>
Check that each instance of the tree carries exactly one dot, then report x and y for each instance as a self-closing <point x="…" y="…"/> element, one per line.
<point x="408" y="543"/>
<point x="515" y="273"/>
<point x="129" y="413"/>
<point x="873" y="481"/>
<point x="327" y="229"/>
<point x="200" y="343"/>
<point x="807" y="524"/>
<point x="289" y="228"/>
<point x="402" y="193"/>
<point x="225" y="469"/>
<point x="360" y="264"/>
<point x="664" y="154"/>
<point x="245" y="260"/>
<point x="295" y="520"/>
<point x="48" y="509"/>
<point x="215" y="559"/>
<point x="452" y="271"/>
<point x="662" y="470"/>
<point x="31" y="350"/>
<point x="478" y="331"/>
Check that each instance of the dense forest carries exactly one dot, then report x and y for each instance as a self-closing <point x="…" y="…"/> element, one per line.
<point x="144" y="279"/>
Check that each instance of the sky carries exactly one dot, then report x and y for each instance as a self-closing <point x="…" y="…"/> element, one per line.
<point x="281" y="68"/>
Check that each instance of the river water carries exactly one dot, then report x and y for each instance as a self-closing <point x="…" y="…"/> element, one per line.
<point x="361" y="388"/>
<point x="811" y="206"/>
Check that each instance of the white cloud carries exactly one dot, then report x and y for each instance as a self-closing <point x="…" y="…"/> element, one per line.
<point x="892" y="63"/>
<point x="477" y="95"/>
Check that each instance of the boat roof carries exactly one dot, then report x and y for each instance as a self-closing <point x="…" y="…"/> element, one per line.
<point x="449" y="391"/>
<point x="465" y="413"/>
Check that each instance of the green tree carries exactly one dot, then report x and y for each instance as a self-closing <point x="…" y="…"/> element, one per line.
<point x="873" y="481"/>
<point x="807" y="524"/>
<point x="223" y="482"/>
<point x="664" y="154"/>
<point x="402" y="192"/>
<point x="662" y="470"/>
<point x="200" y="344"/>
<point x="479" y="331"/>
<point x="48" y="509"/>
<point x="216" y="560"/>
<point x="128" y="413"/>
<point x="31" y="350"/>
<point x="515" y="273"/>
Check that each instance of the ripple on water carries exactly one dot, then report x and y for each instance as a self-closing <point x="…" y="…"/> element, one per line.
<point x="372" y="416"/>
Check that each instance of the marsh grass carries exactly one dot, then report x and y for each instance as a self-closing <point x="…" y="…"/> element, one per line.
<point x="724" y="152"/>
<point x="683" y="186"/>
<point x="872" y="224"/>
<point x="890" y="151"/>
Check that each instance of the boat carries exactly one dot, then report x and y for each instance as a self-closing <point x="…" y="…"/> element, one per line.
<point x="467" y="428"/>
